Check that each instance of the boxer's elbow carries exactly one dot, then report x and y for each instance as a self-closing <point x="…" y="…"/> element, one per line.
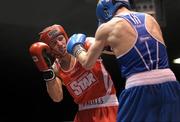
<point x="86" y="61"/>
<point x="57" y="98"/>
<point x="87" y="67"/>
<point x="87" y="64"/>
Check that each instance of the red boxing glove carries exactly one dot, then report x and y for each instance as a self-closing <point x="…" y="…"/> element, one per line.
<point x="89" y="41"/>
<point x="39" y="52"/>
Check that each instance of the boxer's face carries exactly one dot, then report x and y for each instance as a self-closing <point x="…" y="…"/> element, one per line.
<point x="58" y="45"/>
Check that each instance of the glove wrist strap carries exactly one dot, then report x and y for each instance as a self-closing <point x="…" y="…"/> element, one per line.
<point x="77" y="50"/>
<point x="48" y="75"/>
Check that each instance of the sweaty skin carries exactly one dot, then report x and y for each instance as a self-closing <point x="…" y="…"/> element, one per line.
<point x="118" y="34"/>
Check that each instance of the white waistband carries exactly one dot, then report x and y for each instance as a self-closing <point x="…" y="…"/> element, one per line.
<point x="108" y="100"/>
<point x="150" y="77"/>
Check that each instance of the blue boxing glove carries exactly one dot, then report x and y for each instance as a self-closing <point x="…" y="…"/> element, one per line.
<point x="75" y="44"/>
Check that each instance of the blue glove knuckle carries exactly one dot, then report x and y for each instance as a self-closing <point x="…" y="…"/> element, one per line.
<point x="74" y="40"/>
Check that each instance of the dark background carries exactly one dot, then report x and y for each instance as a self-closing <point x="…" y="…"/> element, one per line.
<point x="23" y="91"/>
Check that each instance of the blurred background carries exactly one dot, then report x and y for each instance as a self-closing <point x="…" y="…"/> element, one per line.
<point x="23" y="91"/>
